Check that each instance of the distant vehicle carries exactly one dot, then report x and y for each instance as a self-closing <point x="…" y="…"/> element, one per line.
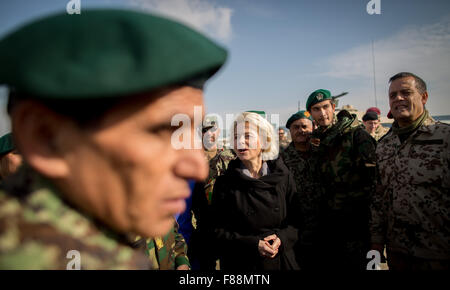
<point x="442" y="118"/>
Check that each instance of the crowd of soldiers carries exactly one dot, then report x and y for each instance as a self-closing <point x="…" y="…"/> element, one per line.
<point x="92" y="130"/>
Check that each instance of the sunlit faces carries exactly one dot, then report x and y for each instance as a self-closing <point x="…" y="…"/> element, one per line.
<point x="405" y="101"/>
<point x="301" y="130"/>
<point x="371" y="125"/>
<point x="323" y="113"/>
<point x="125" y="172"/>
<point x="247" y="144"/>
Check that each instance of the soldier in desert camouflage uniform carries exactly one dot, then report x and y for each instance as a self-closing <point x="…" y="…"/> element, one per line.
<point x="297" y="158"/>
<point x="344" y="163"/>
<point x="371" y="121"/>
<point x="92" y="120"/>
<point x="411" y="209"/>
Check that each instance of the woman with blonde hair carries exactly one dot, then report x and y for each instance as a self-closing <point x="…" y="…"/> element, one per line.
<point x="255" y="204"/>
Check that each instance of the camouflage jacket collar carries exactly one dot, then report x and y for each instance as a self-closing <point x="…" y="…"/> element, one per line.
<point x="32" y="188"/>
<point x="427" y="128"/>
<point x="346" y="122"/>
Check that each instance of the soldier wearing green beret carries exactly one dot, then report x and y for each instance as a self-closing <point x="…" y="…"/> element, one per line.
<point x="10" y="159"/>
<point x="92" y="104"/>
<point x="344" y="162"/>
<point x="297" y="158"/>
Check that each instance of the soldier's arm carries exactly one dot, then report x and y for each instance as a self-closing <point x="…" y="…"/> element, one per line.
<point x="180" y="249"/>
<point x="365" y="147"/>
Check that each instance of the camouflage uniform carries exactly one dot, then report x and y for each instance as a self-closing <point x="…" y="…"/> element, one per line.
<point x="411" y="209"/>
<point x="345" y="163"/>
<point x="217" y="166"/>
<point x="299" y="165"/>
<point x="38" y="229"/>
<point x="168" y="252"/>
<point x="380" y="131"/>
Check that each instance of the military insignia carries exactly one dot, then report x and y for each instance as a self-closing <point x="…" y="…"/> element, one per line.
<point x="307" y="114"/>
<point x="319" y="97"/>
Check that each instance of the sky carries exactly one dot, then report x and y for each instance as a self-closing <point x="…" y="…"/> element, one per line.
<point x="281" y="51"/>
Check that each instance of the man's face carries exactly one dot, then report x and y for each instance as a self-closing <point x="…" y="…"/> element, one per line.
<point x="281" y="134"/>
<point x="371" y="125"/>
<point x="126" y="172"/>
<point x="210" y="135"/>
<point x="300" y="130"/>
<point x="9" y="163"/>
<point x="405" y="101"/>
<point x="323" y="113"/>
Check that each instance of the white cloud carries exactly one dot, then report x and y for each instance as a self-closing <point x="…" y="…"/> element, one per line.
<point x="424" y="51"/>
<point x="200" y="14"/>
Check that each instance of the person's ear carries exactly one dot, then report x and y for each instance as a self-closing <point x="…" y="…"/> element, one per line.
<point x="36" y="131"/>
<point x="333" y="105"/>
<point x="424" y="98"/>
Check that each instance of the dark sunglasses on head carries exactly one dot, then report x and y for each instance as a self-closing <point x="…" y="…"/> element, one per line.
<point x="212" y="129"/>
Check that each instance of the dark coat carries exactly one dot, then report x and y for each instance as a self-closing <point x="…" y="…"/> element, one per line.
<point x="246" y="210"/>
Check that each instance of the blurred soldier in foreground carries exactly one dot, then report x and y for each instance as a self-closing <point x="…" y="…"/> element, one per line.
<point x="297" y="158"/>
<point x="411" y="208"/>
<point x="91" y="107"/>
<point x="10" y="159"/>
<point x="372" y="123"/>
<point x="201" y="247"/>
<point x="344" y="163"/>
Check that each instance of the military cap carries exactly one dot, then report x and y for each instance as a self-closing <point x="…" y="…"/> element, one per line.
<point x="6" y="144"/>
<point x="317" y="97"/>
<point x="261" y="113"/>
<point x="209" y="122"/>
<point x="374" y="109"/>
<point x="297" y="116"/>
<point x="389" y="115"/>
<point x="104" y="53"/>
<point x="370" y="116"/>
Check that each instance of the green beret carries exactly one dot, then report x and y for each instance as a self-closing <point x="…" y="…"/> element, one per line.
<point x="297" y="116"/>
<point x="6" y="144"/>
<point x="104" y="53"/>
<point x="262" y="113"/>
<point x="317" y="97"/>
